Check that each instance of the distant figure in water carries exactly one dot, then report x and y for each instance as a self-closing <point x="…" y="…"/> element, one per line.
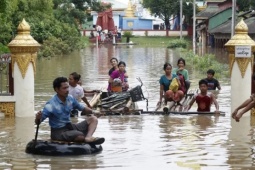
<point x="246" y="106"/>
<point x="117" y="80"/>
<point x="181" y="70"/>
<point x="212" y="82"/>
<point x="204" y="99"/>
<point x="114" y="63"/>
<point x="91" y="35"/>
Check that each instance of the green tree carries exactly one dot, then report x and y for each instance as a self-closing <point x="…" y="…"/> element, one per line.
<point x="244" y="5"/>
<point x="7" y="8"/>
<point x="100" y="6"/>
<point x="164" y="9"/>
<point x="252" y="4"/>
<point x="54" y="23"/>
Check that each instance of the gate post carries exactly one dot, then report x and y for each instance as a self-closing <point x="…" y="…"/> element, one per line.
<point x="24" y="53"/>
<point x="240" y="48"/>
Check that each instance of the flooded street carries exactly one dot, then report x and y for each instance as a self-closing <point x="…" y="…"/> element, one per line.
<point x="196" y="142"/>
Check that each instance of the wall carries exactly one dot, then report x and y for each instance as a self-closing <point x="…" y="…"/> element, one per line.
<point x="146" y="32"/>
<point x="136" y="24"/>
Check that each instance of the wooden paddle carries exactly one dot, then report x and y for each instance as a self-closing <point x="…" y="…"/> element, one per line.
<point x="36" y="132"/>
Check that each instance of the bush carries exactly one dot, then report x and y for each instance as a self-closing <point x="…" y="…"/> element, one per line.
<point x="4" y="49"/>
<point x="206" y="62"/>
<point x="177" y="43"/>
<point x="128" y="34"/>
<point x="53" y="47"/>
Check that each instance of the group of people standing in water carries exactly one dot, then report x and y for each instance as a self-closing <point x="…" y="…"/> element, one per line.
<point x="118" y="82"/>
<point x="204" y="99"/>
<point x="69" y="93"/>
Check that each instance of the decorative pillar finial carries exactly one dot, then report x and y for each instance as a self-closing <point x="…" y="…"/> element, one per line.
<point x="24" y="48"/>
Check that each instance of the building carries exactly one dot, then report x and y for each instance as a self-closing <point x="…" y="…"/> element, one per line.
<point x="127" y="16"/>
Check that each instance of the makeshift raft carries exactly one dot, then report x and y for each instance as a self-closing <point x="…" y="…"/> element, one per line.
<point x="181" y="113"/>
<point x="172" y="106"/>
<point x="119" y="102"/>
<point x="125" y="104"/>
<point x="50" y="148"/>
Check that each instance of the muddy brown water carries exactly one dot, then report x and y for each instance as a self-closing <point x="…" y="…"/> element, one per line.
<point x="139" y="141"/>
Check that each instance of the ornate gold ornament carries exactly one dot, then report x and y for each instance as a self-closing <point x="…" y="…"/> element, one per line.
<point x="129" y="10"/>
<point x="243" y="64"/>
<point x="253" y="112"/>
<point x="7" y="108"/>
<point x="231" y="62"/>
<point x="252" y="116"/>
<point x="23" y="61"/>
<point x="241" y="38"/>
<point x="24" y="49"/>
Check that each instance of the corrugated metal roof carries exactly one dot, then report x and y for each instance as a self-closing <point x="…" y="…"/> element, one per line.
<point x="225" y="28"/>
<point x="219" y="18"/>
<point x="208" y="12"/>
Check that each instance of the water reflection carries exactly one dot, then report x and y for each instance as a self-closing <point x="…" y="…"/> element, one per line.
<point x="133" y="142"/>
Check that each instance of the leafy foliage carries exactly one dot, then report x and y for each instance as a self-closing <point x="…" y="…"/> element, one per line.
<point x="164" y="9"/>
<point x="178" y="43"/>
<point x="252" y="4"/>
<point x="50" y="20"/>
<point x="128" y="34"/>
<point x="100" y="6"/>
<point x="244" y="5"/>
<point x="4" y="49"/>
<point x="203" y="63"/>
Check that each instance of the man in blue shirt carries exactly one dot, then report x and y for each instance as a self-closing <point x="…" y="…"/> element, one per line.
<point x="58" y="109"/>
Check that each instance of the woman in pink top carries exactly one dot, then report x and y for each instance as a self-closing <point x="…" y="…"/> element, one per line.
<point x="118" y="76"/>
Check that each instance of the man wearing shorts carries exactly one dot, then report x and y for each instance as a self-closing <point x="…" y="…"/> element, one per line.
<point x="58" y="109"/>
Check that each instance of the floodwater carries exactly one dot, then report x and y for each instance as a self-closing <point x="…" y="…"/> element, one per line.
<point x="196" y="142"/>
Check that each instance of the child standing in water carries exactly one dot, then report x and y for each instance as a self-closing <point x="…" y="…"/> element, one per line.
<point x="212" y="82"/>
<point x="75" y="89"/>
<point x="204" y="99"/>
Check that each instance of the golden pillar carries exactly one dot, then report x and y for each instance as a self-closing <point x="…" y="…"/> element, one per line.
<point x="240" y="48"/>
<point x="24" y="53"/>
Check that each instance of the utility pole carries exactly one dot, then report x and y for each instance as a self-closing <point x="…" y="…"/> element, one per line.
<point x="194" y="26"/>
<point x="180" y="19"/>
<point x="233" y="21"/>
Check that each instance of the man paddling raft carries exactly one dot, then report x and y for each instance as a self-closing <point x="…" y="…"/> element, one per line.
<point x="58" y="110"/>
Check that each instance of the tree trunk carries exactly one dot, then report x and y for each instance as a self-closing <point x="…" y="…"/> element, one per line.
<point x="167" y="24"/>
<point x="128" y="39"/>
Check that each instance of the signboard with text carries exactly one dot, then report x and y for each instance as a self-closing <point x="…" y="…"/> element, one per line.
<point x="243" y="51"/>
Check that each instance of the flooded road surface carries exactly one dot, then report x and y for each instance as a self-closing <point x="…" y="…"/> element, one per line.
<point x="133" y="142"/>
